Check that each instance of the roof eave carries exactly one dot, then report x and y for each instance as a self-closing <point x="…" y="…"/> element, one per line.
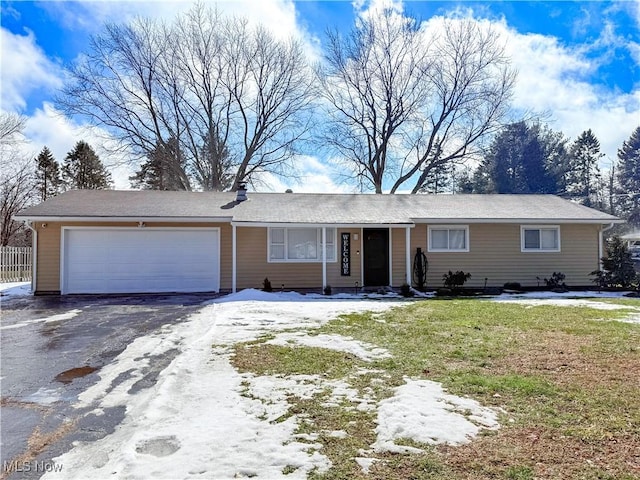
<point x="589" y="221"/>
<point x="110" y="219"/>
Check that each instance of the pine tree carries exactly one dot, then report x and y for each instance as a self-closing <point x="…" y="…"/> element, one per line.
<point x="48" y="181"/>
<point x="163" y="170"/>
<point x="629" y="177"/>
<point x="523" y="159"/>
<point x="83" y="169"/>
<point x="617" y="267"/>
<point x="584" y="171"/>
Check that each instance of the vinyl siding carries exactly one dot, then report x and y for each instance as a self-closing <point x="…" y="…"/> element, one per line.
<point x="253" y="266"/>
<point x="398" y="257"/>
<point x="494" y="254"/>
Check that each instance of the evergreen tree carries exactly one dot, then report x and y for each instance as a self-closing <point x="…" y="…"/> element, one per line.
<point x="628" y="177"/>
<point x="47" y="176"/>
<point x="584" y="171"/>
<point x="83" y="169"/>
<point x="617" y="267"/>
<point x="523" y="159"/>
<point x="438" y="178"/>
<point x="163" y="170"/>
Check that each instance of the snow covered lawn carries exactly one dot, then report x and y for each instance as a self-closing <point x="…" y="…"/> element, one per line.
<point x="273" y="385"/>
<point x="204" y="419"/>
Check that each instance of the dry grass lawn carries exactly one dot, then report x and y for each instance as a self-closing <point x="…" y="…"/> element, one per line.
<point x="566" y="379"/>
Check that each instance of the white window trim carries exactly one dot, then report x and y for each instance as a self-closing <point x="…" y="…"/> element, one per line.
<point x="331" y="241"/>
<point x="448" y="227"/>
<point x="539" y="250"/>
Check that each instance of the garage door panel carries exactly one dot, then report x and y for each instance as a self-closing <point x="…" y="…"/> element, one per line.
<point x="140" y="260"/>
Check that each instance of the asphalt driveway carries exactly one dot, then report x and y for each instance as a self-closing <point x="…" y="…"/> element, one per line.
<point x="51" y="351"/>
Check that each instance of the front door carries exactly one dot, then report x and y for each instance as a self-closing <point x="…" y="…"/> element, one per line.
<point x="376" y="257"/>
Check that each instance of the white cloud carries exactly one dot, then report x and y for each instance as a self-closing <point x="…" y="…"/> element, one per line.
<point x="315" y="176"/>
<point x="25" y="69"/>
<point x="47" y="126"/>
<point x="554" y="81"/>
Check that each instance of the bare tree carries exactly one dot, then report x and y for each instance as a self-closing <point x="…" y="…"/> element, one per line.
<point x="234" y="97"/>
<point x="17" y="191"/>
<point x="405" y="99"/>
<point x="11" y="127"/>
<point x="17" y="188"/>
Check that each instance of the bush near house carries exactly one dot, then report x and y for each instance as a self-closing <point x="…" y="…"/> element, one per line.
<point x="618" y="270"/>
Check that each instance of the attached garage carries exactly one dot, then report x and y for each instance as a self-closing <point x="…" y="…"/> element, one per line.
<point x="139" y="260"/>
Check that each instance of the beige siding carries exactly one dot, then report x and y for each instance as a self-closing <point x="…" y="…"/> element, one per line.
<point x="49" y="237"/>
<point x="495" y="255"/>
<point x="253" y="266"/>
<point x="398" y="256"/>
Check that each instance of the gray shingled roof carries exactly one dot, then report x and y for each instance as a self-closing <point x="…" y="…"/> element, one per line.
<point x="310" y="208"/>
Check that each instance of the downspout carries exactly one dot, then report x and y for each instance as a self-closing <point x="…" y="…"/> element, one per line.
<point x="407" y="247"/>
<point x="601" y="243"/>
<point x="34" y="254"/>
<point x="324" y="258"/>
<point x="233" y="259"/>
<point x="390" y="257"/>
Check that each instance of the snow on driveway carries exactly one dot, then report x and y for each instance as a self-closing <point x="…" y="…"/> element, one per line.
<point x="203" y="419"/>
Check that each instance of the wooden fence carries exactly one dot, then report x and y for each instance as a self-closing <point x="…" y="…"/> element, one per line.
<point x="15" y="264"/>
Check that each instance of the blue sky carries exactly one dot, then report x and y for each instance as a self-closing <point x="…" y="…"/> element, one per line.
<point x="578" y="62"/>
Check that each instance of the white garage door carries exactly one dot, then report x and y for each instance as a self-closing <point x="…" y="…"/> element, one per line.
<point x="140" y="260"/>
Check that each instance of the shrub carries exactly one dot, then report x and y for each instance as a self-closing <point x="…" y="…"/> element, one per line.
<point x="327" y="290"/>
<point x="617" y="267"/>
<point x="455" y="280"/>
<point x="512" y="286"/>
<point x="556" y="280"/>
<point x="266" y="285"/>
<point x="405" y="290"/>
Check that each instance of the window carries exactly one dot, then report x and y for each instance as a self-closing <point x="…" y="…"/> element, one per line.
<point x="544" y="238"/>
<point x="301" y="245"/>
<point x="445" y="238"/>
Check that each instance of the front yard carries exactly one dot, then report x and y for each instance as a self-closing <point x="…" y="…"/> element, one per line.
<point x="289" y="386"/>
<point x="563" y="379"/>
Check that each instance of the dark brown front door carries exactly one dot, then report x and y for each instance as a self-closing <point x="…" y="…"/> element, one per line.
<point x="376" y="257"/>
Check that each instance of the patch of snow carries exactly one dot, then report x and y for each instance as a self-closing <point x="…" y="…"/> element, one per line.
<point x="339" y="343"/>
<point x="560" y="295"/>
<point x="365" y="463"/>
<point x="200" y="403"/>
<point x="45" y="396"/>
<point x="53" y="318"/>
<point x="15" y="289"/>
<point x="420" y="410"/>
<point x="564" y="302"/>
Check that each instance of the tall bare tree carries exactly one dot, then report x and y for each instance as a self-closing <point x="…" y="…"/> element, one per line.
<point x="17" y="188"/>
<point x="405" y="98"/>
<point x="233" y="96"/>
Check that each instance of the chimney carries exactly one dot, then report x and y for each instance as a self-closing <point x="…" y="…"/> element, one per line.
<point x="241" y="193"/>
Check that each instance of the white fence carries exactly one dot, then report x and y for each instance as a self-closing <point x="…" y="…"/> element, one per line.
<point x="15" y="264"/>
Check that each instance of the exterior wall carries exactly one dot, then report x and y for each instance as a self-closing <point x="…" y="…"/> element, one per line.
<point x="398" y="256"/>
<point x="253" y="266"/>
<point x="49" y="239"/>
<point x="494" y="254"/>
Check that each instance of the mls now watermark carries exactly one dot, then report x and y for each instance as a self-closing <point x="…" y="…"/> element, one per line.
<point x="42" y="466"/>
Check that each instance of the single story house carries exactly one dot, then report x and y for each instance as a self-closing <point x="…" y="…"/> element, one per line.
<point x="108" y="241"/>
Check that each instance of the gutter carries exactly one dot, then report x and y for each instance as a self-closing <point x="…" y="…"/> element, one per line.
<point x="135" y="219"/>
